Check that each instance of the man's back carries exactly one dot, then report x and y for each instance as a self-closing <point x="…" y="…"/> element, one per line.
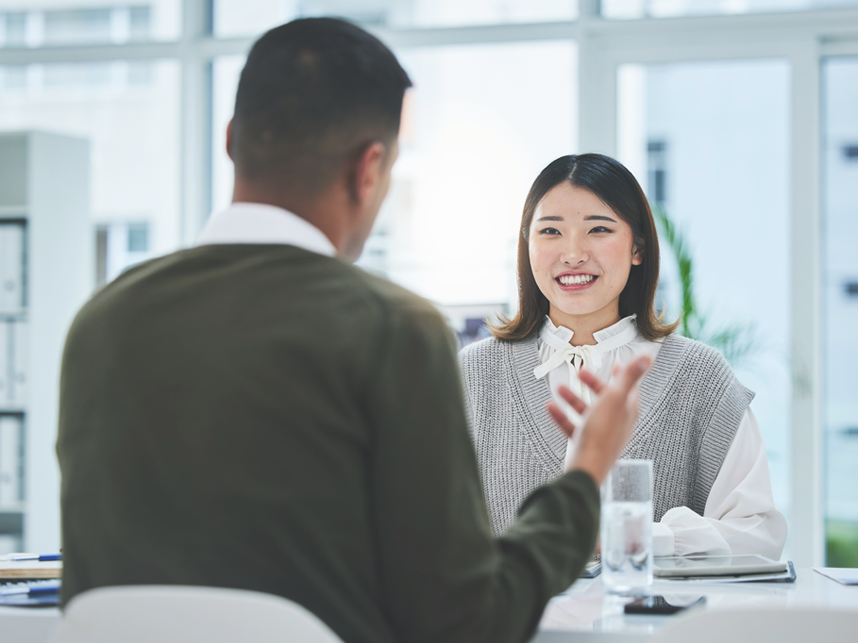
<point x="220" y="424"/>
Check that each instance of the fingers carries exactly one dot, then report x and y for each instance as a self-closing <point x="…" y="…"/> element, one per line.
<point x="624" y="377"/>
<point x="633" y="401"/>
<point x="572" y="400"/>
<point x="593" y="383"/>
<point x="560" y="419"/>
<point x="632" y="373"/>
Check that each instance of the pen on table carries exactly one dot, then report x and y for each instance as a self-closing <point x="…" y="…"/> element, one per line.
<point x="46" y="587"/>
<point x="39" y="557"/>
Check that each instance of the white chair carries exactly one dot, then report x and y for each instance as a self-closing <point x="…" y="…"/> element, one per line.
<point x="182" y="614"/>
<point x="759" y="625"/>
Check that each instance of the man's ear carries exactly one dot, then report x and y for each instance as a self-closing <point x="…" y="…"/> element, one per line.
<point x="366" y="172"/>
<point x="229" y="139"/>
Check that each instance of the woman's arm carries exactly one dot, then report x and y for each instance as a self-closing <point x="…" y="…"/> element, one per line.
<point x="740" y="515"/>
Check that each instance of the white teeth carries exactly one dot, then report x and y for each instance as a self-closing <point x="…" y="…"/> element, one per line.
<point x="571" y="280"/>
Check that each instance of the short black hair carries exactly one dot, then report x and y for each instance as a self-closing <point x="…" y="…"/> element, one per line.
<point x="312" y="95"/>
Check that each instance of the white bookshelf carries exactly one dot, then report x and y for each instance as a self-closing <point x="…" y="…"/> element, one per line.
<point x="46" y="273"/>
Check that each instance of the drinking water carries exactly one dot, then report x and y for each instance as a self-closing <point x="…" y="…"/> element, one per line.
<point x="626" y="547"/>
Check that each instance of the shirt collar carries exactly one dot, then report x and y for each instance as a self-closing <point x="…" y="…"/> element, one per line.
<point x="260" y="223"/>
<point x="589" y="356"/>
<point x="614" y="329"/>
<point x="600" y="335"/>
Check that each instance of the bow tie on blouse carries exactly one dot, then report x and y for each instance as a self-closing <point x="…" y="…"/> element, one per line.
<point x="589" y="356"/>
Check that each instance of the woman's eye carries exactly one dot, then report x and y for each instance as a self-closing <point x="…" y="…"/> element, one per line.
<point x="601" y="228"/>
<point x="549" y="231"/>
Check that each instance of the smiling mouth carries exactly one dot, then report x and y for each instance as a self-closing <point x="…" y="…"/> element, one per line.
<point x="575" y="280"/>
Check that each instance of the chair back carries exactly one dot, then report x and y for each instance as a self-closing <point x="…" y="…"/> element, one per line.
<point x="178" y="614"/>
<point x="793" y="625"/>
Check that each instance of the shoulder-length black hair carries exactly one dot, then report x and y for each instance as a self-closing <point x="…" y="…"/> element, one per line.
<point x="609" y="180"/>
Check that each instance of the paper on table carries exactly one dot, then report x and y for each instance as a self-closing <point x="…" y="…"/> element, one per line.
<point x="30" y="569"/>
<point x="843" y="575"/>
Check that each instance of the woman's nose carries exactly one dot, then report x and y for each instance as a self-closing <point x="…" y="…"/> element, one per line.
<point x="574" y="252"/>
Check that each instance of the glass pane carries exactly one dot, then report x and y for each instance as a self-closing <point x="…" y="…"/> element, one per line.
<point x="250" y="17"/>
<point x="480" y="124"/>
<point x="225" y="73"/>
<point x="82" y="22"/>
<point x="131" y="120"/>
<point x="625" y="9"/>
<point x="725" y="185"/>
<point x="67" y="26"/>
<point x="840" y="140"/>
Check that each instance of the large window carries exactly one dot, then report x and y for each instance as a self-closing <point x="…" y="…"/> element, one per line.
<point x="840" y="156"/>
<point x="714" y="104"/>
<point x="480" y="123"/>
<point x="249" y="17"/>
<point x="483" y="121"/>
<point x="129" y="113"/>
<point x="710" y="144"/>
<point x="87" y="22"/>
<point x="625" y="9"/>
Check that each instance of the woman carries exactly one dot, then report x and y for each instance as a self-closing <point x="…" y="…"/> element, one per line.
<point x="588" y="269"/>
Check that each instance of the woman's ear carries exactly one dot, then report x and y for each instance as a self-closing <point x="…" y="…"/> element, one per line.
<point x="637" y="254"/>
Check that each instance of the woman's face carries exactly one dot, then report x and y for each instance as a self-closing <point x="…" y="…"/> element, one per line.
<point x="581" y="253"/>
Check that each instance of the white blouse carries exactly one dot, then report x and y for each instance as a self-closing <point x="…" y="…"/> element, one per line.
<point x="740" y="516"/>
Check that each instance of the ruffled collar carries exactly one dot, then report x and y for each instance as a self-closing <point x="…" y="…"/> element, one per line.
<point x="590" y="356"/>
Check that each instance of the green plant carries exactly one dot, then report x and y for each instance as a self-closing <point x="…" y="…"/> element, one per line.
<point x="841" y="543"/>
<point x="737" y="340"/>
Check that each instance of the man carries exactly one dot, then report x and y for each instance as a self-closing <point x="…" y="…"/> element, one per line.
<point x="256" y="413"/>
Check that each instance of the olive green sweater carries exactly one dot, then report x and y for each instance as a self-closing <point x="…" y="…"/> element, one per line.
<point x="267" y="418"/>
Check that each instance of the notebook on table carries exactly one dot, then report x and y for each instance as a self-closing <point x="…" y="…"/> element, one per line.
<point x="30" y="583"/>
<point x="593" y="568"/>
<point x="18" y="570"/>
<point x="723" y="568"/>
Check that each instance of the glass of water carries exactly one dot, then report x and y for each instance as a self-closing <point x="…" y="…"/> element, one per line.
<point x="627" y="528"/>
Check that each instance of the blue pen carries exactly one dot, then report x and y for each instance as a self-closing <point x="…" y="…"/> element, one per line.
<point x="33" y="588"/>
<point x="39" y="557"/>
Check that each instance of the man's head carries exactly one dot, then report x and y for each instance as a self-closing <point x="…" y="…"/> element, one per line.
<point x="318" y="105"/>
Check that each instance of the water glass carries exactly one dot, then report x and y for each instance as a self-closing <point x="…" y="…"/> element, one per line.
<point x="626" y="532"/>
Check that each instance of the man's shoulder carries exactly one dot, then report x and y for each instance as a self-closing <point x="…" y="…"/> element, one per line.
<point x="393" y="300"/>
<point x="286" y="277"/>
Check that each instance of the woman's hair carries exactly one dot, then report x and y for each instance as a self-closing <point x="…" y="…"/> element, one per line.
<point x="609" y="180"/>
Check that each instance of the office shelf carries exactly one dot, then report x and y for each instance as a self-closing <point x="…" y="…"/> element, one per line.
<point x="45" y="275"/>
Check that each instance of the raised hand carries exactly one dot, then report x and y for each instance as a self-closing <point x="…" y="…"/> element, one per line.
<point x="608" y="424"/>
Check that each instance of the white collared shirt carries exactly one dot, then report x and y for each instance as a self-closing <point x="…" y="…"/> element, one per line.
<point x="261" y="223"/>
<point x="740" y="516"/>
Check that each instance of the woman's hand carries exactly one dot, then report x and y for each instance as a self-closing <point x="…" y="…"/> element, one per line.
<point x="608" y="424"/>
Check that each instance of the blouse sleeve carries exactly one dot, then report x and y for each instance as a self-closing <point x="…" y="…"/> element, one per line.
<point x="740" y="515"/>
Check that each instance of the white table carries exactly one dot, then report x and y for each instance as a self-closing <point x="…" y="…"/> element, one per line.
<point x="27" y="624"/>
<point x="584" y="615"/>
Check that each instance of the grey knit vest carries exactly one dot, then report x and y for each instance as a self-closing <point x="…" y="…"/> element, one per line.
<point x="690" y="407"/>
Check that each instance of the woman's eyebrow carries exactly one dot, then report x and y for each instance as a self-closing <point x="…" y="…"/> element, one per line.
<point x="550" y="218"/>
<point x="598" y="217"/>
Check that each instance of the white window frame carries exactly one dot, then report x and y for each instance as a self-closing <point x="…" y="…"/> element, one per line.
<point x="803" y="38"/>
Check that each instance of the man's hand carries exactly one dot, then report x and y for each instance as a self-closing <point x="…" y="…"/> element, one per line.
<point x="607" y="426"/>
